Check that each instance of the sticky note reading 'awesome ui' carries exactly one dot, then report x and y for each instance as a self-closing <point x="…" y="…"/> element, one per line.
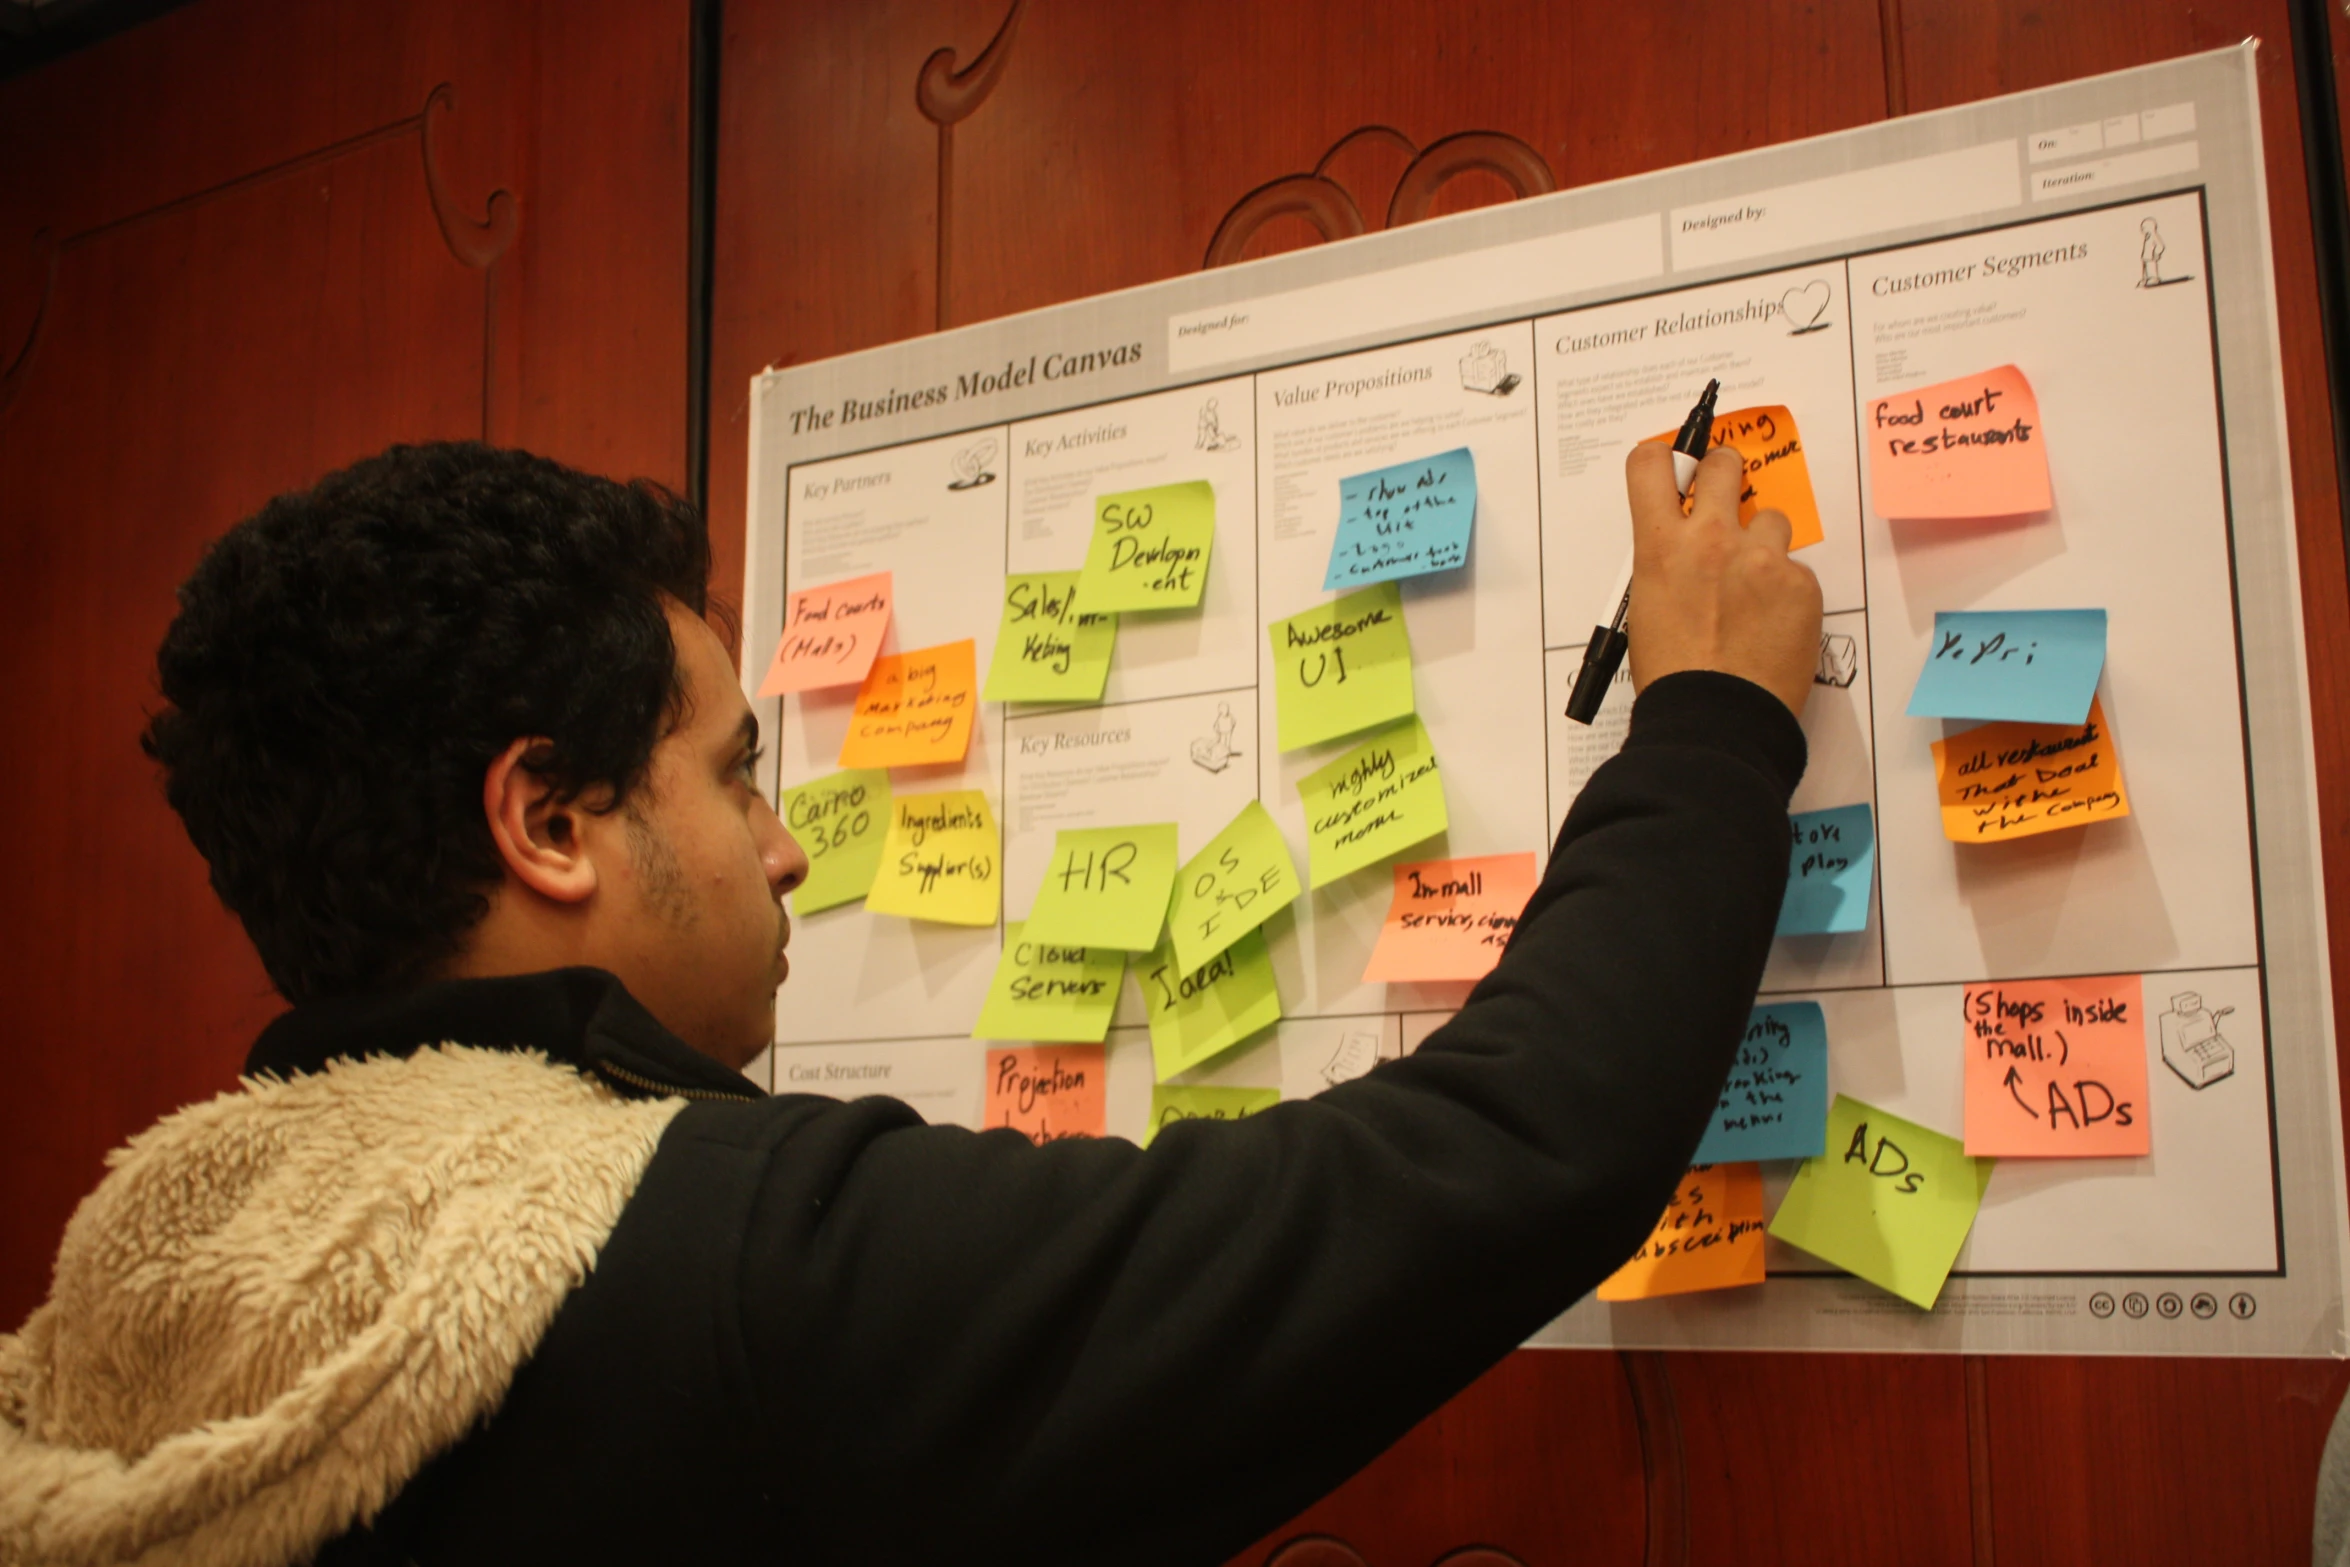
<point x="1106" y="887"/>
<point x="1046" y="650"/>
<point x="1889" y="1201"/>
<point x="1778" y="476"/>
<point x="1775" y="1103"/>
<point x="2056" y="1068"/>
<point x="2013" y="780"/>
<point x="914" y="708"/>
<point x="1342" y="666"/>
<point x="2037" y="666"/>
<point x="1972" y="447"/>
<point x="1378" y="799"/>
<point x="1201" y="1014"/>
<point x="1404" y="521"/>
<point x="1054" y="993"/>
<point x="1174" y="1102"/>
<point x="1047" y="1092"/>
<point x="940" y="860"/>
<point x="1150" y="549"/>
<point x="830" y="636"/>
<point x="1449" y="919"/>
<point x="1240" y="880"/>
<point x="1830" y="867"/>
<point x="1709" y="1237"/>
<point x="840" y="823"/>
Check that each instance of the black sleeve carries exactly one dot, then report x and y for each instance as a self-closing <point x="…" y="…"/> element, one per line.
<point x="974" y="1349"/>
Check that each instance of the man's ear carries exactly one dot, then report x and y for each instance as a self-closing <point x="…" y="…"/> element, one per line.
<point x="537" y="834"/>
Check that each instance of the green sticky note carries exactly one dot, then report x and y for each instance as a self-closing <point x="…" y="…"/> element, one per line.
<point x="1240" y="880"/>
<point x="840" y="822"/>
<point x="1342" y="666"/>
<point x="1208" y="1011"/>
<point x="1050" y="994"/>
<point x="1045" y="651"/>
<point x="1889" y="1201"/>
<point x="1106" y="887"/>
<point x="1172" y="1102"/>
<point x="1150" y="548"/>
<point x="1378" y="799"/>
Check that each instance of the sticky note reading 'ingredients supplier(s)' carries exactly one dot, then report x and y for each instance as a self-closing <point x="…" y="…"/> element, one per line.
<point x="1240" y="880"/>
<point x="1775" y="1103"/>
<point x="940" y="860"/>
<point x="1342" y="666"/>
<point x="1174" y="1102"/>
<point x="1052" y="993"/>
<point x="1972" y="447"/>
<point x="914" y="709"/>
<point x="1046" y="650"/>
<point x="1889" y="1201"/>
<point x="2037" y="666"/>
<point x="1449" y="919"/>
<point x="840" y="823"/>
<point x="1829" y="871"/>
<point x="1046" y="1092"/>
<point x="1106" y="887"/>
<point x="830" y="636"/>
<point x="1778" y="476"/>
<point x="1206" y="1012"/>
<point x="1404" y="521"/>
<point x="1376" y="800"/>
<point x="2013" y="780"/>
<point x="1150" y="549"/>
<point x="1709" y="1237"/>
<point x="2056" y="1068"/>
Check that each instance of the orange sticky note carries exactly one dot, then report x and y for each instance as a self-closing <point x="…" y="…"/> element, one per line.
<point x="1778" y="478"/>
<point x="2056" y="1068"/>
<point x="914" y="708"/>
<point x="1450" y="919"/>
<point x="1046" y="1092"/>
<point x="1972" y="447"/>
<point x="830" y="635"/>
<point x="1710" y="1237"/>
<point x="2010" y="780"/>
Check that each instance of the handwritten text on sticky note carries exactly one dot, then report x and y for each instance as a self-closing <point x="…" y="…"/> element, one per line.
<point x="1450" y="919"/>
<point x="1197" y="1015"/>
<point x="1890" y="1201"/>
<point x="1044" y="991"/>
<point x="1775" y="1102"/>
<point x="1240" y="880"/>
<point x="1045" y="649"/>
<point x="2056" y="1068"/>
<point x="2013" y="780"/>
<point x="831" y="635"/>
<point x="1972" y="447"/>
<point x="1404" y="521"/>
<point x="1709" y="1237"/>
<point x="940" y="860"/>
<point x="1778" y="476"/>
<point x="1376" y="800"/>
<point x="1106" y="887"/>
<point x="1173" y="1103"/>
<point x="1342" y="666"/>
<point x="1829" y="870"/>
<point x="840" y="823"/>
<point x="2037" y="666"/>
<point x="914" y="709"/>
<point x="1046" y="1092"/>
<point x="1150" y="549"/>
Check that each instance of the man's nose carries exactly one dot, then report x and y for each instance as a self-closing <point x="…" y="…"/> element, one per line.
<point x="786" y="863"/>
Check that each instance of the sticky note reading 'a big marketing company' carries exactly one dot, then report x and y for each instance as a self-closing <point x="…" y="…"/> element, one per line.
<point x="840" y="823"/>
<point x="1150" y="549"/>
<point x="1889" y="1201"/>
<point x="2056" y="1068"/>
<point x="2037" y="666"/>
<point x="1972" y="447"/>
<point x="1045" y="650"/>
<point x="1047" y="992"/>
<point x="2013" y="780"/>
<point x="1450" y="919"/>
<point x="1378" y="799"/>
<point x="1778" y="476"/>
<point x="940" y="860"/>
<point x="1342" y="666"/>
<point x="1775" y="1104"/>
<point x="1106" y="887"/>
<point x="1240" y="880"/>
<point x="1047" y="1092"/>
<point x="1194" y="1016"/>
<point x="914" y="709"/>
<point x="1404" y="521"/>
<point x="1709" y="1237"/>
<point x="1829" y="870"/>
<point x="1173" y="1102"/>
<point x="830" y="636"/>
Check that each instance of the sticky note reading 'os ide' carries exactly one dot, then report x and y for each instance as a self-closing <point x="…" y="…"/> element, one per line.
<point x="1709" y="1237"/>
<point x="1830" y="866"/>
<point x="1045" y="649"/>
<point x="1404" y="521"/>
<point x="1972" y="447"/>
<point x="1775" y="1103"/>
<point x="2056" y="1068"/>
<point x="1449" y="919"/>
<point x="914" y="709"/>
<point x="2037" y="666"/>
<point x="1047" y="1092"/>
<point x="1889" y="1201"/>
<point x="831" y="635"/>
<point x="840" y="823"/>
<point x="1342" y="666"/>
<point x="2013" y="780"/>
<point x="940" y="860"/>
<point x="1240" y="880"/>
<point x="1174" y="1102"/>
<point x="1778" y="476"/>
<point x="1203" y="1013"/>
<point x="1150" y="549"/>
<point x="1106" y="887"/>
<point x="1376" y="800"/>
<point x="1053" y="993"/>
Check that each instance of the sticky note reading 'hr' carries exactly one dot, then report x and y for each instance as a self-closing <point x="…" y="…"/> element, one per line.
<point x="1404" y="521"/>
<point x="1829" y="869"/>
<point x="1342" y="666"/>
<point x="1173" y="1102"/>
<point x="1047" y="1092"/>
<point x="2037" y="666"/>
<point x="2013" y="780"/>
<point x="1150" y="549"/>
<point x="1378" y="799"/>
<point x="1046" y="650"/>
<point x="1889" y="1201"/>
<point x="1449" y="919"/>
<point x="840" y="823"/>
<point x="1206" y="1012"/>
<point x="940" y="859"/>
<point x="1709" y="1237"/>
<point x="1778" y="476"/>
<point x="1775" y="1103"/>
<point x="914" y="708"/>
<point x="1106" y="887"/>
<point x="1240" y="880"/>
<point x="2056" y="1068"/>
<point x="1052" y="993"/>
<point x="830" y="636"/>
<point x="1972" y="447"/>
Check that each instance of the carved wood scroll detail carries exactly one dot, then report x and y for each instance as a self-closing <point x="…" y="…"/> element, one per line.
<point x="1322" y="1550"/>
<point x="1333" y="210"/>
<point x="475" y="244"/>
<point x="45" y="253"/>
<point x="946" y="95"/>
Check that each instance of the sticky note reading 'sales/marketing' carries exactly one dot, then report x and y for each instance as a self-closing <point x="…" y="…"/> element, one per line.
<point x="1830" y="867"/>
<point x="1150" y="549"/>
<point x="940" y="860"/>
<point x="1778" y="477"/>
<point x="831" y="636"/>
<point x="1046" y="649"/>
<point x="914" y="709"/>
<point x="1341" y="667"/>
<point x="2056" y="1068"/>
<point x="1890" y="1201"/>
<point x="1240" y="880"/>
<point x="1404" y="521"/>
<point x="1709" y="1237"/>
<point x="1046" y="991"/>
<point x="2013" y="780"/>
<point x="1450" y="919"/>
<point x="1774" y="1104"/>
<point x="840" y="823"/>
<point x="1047" y="1092"/>
<point x="2036" y="666"/>
<point x="1106" y="887"/>
<point x="1972" y="447"/>
<point x="1376" y="800"/>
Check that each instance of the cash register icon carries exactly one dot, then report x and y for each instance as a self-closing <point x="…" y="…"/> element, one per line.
<point x="2192" y="1044"/>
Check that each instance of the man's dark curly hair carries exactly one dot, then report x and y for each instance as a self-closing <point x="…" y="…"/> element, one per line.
<point x="347" y="662"/>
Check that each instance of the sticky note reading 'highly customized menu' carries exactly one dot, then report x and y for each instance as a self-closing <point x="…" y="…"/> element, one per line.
<point x="2013" y="780"/>
<point x="914" y="709"/>
<point x="840" y="823"/>
<point x="1775" y="1102"/>
<point x="1046" y="649"/>
<point x="1106" y="887"/>
<point x="1042" y="991"/>
<point x="1889" y="1201"/>
<point x="940" y="860"/>
<point x="1342" y="666"/>
<point x="1376" y="800"/>
<point x="1829" y="869"/>
<point x="1449" y="919"/>
<point x="1174" y="1102"/>
<point x="1150" y="549"/>
<point x="1240" y="880"/>
<point x="1203" y="1013"/>
<point x="1972" y="447"/>
<point x="830" y="635"/>
<point x="1778" y="476"/>
<point x="1047" y="1092"/>
<point x="2037" y="666"/>
<point x="2056" y="1068"/>
<point x="1405" y="520"/>
<point x="1709" y="1237"/>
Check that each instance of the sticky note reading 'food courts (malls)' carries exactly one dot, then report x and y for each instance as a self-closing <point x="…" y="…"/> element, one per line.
<point x="1404" y="521"/>
<point x="1240" y="880"/>
<point x="1709" y="1237"/>
<point x="1175" y="1102"/>
<point x="940" y="860"/>
<point x="830" y="635"/>
<point x="1342" y="666"/>
<point x="1830" y="867"/>
<point x="840" y="823"/>
<point x="2005" y="781"/>
<point x="1046" y="1092"/>
<point x="1197" y="1015"/>
<point x="1889" y="1201"/>
<point x="1450" y="919"/>
<point x="1106" y="887"/>
<point x="1150" y="549"/>
<point x="1376" y="800"/>
<point x="914" y="709"/>
<point x="1046" y="649"/>
<point x="1778" y="476"/>
<point x="1972" y="447"/>
<point x="1054" y="993"/>
<point x="2036" y="666"/>
<point x="1774" y="1104"/>
<point x="2056" y="1068"/>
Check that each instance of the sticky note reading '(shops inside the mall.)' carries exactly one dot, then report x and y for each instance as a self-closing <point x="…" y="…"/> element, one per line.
<point x="1198" y="1015"/>
<point x="2005" y="781"/>
<point x="840" y="823"/>
<point x="1709" y="1237"/>
<point x="1240" y="880"/>
<point x="1775" y="1103"/>
<point x="940" y="860"/>
<point x="1150" y="549"/>
<point x="1889" y="1201"/>
<point x="830" y="635"/>
<point x="1449" y="919"/>
<point x="1046" y="650"/>
<point x="1047" y="1092"/>
<point x="2036" y="666"/>
<point x="1830" y="866"/>
<point x="1405" y="520"/>
<point x="1342" y="666"/>
<point x="914" y="709"/>
<point x="2056" y="1068"/>
<point x="1778" y="476"/>
<point x="1052" y="993"/>
<point x="1376" y="800"/>
<point x="1176" y="1102"/>
<point x="1972" y="447"/>
<point x="1106" y="887"/>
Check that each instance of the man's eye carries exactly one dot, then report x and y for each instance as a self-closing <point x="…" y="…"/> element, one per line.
<point x="749" y="767"/>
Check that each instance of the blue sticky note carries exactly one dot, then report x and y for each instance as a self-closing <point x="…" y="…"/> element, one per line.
<point x="1404" y="521"/>
<point x="1775" y="1104"/>
<point x="1828" y="872"/>
<point x="2037" y="666"/>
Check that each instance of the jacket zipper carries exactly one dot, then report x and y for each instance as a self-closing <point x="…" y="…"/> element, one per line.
<point x="668" y="1090"/>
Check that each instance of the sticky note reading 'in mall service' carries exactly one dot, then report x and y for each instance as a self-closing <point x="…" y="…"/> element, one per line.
<point x="1046" y="1092"/>
<point x="1046" y="650"/>
<point x="1709" y="1237"/>
<point x="1047" y="992"/>
<point x="1150" y="549"/>
<point x="2056" y="1068"/>
<point x="940" y="860"/>
<point x="830" y="635"/>
<point x="914" y="709"/>
<point x="1205" y="1012"/>
<point x="2037" y="666"/>
<point x="1174" y="1102"/>
<point x="1341" y="667"/>
<point x="1106" y="887"/>
<point x="1775" y="1103"/>
<point x="1240" y="880"/>
<point x="1449" y="919"/>
<point x="1972" y="447"/>
<point x="840" y="823"/>
<point x="1778" y="476"/>
<point x="1404" y="521"/>
<point x="1889" y="1201"/>
<point x="2013" y="780"/>
<point x="1829" y="870"/>
<point x="1376" y="800"/>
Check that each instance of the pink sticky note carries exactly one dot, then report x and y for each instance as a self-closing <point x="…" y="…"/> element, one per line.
<point x="2056" y="1068"/>
<point x="1972" y="447"/>
<point x="830" y="636"/>
<point x="1450" y="918"/>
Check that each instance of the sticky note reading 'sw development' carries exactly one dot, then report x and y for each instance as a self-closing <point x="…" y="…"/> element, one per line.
<point x="2033" y="666"/>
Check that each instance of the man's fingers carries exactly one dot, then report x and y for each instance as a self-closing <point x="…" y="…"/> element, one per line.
<point x="1648" y="478"/>
<point x="1773" y="526"/>
<point x="1719" y="478"/>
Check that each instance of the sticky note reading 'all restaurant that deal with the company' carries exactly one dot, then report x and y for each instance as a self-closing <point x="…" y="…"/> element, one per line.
<point x="1830" y="866"/>
<point x="1376" y="800"/>
<point x="1197" y="1015"/>
<point x="1046" y="650"/>
<point x="2056" y="1068"/>
<point x="1449" y="919"/>
<point x="1889" y="1201"/>
<point x="1150" y="549"/>
<point x="1972" y="447"/>
<point x="1106" y="887"/>
<point x="1047" y="1092"/>
<point x="1778" y="476"/>
<point x="1174" y="1102"/>
<point x="1709" y="1237"/>
<point x="2037" y="666"/>
<point x="831" y="635"/>
<point x="940" y="860"/>
<point x="1342" y="666"/>
<point x="2004" y="781"/>
<point x="1240" y="880"/>
<point x="840" y="823"/>
<point x="914" y="709"/>
<point x="1404" y="521"/>
<point x="1775" y="1102"/>
<point x="1054" y="993"/>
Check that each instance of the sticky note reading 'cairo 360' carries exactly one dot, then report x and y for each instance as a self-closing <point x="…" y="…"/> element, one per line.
<point x="1450" y="919"/>
<point x="1342" y="666"/>
<point x="1404" y="521"/>
<point x="1047" y="1092"/>
<point x="1046" y="650"/>
<point x="2056" y="1068"/>
<point x="840" y="823"/>
<point x="1053" y="993"/>
<point x="1889" y="1201"/>
<point x="1106" y="887"/>
<point x="1778" y="476"/>
<point x="914" y="709"/>
<point x="1378" y="799"/>
<point x="1775" y="1103"/>
<point x="940" y="860"/>
<point x="1201" y="1014"/>
<point x="1709" y="1237"/>
<point x="1972" y="447"/>
<point x="1150" y="549"/>
<point x="1830" y="866"/>
<point x="2013" y="780"/>
<point x="1174" y="1102"/>
<point x="2035" y="666"/>
<point x="1240" y="880"/>
<point x="831" y="635"/>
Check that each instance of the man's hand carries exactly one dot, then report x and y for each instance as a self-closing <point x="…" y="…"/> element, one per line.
<point x="1709" y="594"/>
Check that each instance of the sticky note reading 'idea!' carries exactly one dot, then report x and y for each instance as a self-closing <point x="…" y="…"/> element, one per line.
<point x="1972" y="447"/>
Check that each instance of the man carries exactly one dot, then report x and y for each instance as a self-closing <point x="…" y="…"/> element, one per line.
<point x="496" y="1257"/>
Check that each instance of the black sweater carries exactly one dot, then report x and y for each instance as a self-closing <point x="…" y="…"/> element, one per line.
<point x="825" y="1331"/>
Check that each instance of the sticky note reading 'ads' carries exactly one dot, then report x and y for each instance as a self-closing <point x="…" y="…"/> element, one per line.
<point x="1240" y="880"/>
<point x="914" y="709"/>
<point x="2056" y="1068"/>
<point x="1201" y="1014"/>
<point x="840" y="823"/>
<point x="1046" y="650"/>
<point x="1052" y="993"/>
<point x="1046" y="1092"/>
<point x="2037" y="666"/>
<point x="1775" y="1103"/>
<point x="1175" y="1102"/>
<point x="1830" y="867"/>
<point x="1341" y="667"/>
<point x="830" y="635"/>
<point x="1709" y="1237"/>
<point x="1106" y="887"/>
<point x="940" y="860"/>
<point x="1972" y="447"/>
<point x="1449" y="919"/>
<point x="1890" y="1201"/>
<point x="1404" y="521"/>
<point x="2013" y="780"/>
<point x="1150" y="549"/>
<point x="1778" y="476"/>
<point x="1378" y="799"/>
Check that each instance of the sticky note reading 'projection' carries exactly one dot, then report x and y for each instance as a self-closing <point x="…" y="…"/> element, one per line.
<point x="914" y="709"/>
<point x="2037" y="666"/>
<point x="1106" y="887"/>
<point x="1778" y="476"/>
<point x="1054" y="993"/>
<point x="1404" y="521"/>
<point x="1150" y="549"/>
<point x="2056" y="1068"/>
<point x="1775" y="1103"/>
<point x="1173" y="1102"/>
<point x="840" y="823"/>
<point x="2013" y="780"/>
<point x="1709" y="1237"/>
<point x="1194" y="1016"/>
<point x="1378" y="799"/>
<point x="1046" y="650"/>
<point x="1449" y="919"/>
<point x="1972" y="447"/>
<point x="1829" y="867"/>
<point x="1046" y="1092"/>
<point x="830" y="635"/>
<point x="1889" y="1201"/>
<point x="1240" y="880"/>
<point x="940" y="860"/>
<point x="1342" y="666"/>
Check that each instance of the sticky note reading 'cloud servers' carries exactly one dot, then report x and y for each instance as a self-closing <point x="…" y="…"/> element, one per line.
<point x="2037" y="666"/>
<point x="1775" y="1103"/>
<point x="2013" y="780"/>
<point x="1449" y="919"/>
<point x="1778" y="477"/>
<point x="1404" y="521"/>
<point x="1054" y="993"/>
<point x="1342" y="666"/>
<point x="1972" y="447"/>
<point x="1174" y="1102"/>
<point x="940" y="860"/>
<point x="914" y="709"/>
<point x="1197" y="1015"/>
<point x="1709" y="1237"/>
<point x="1240" y="880"/>
<point x="1889" y="1201"/>
<point x="840" y="823"/>
<point x="831" y="635"/>
<point x="1378" y="799"/>
<point x="1150" y="549"/>
<point x="1106" y="887"/>
<point x="2056" y="1068"/>
<point x="1046" y="650"/>
<point x="1829" y="870"/>
<point x="1047" y="1092"/>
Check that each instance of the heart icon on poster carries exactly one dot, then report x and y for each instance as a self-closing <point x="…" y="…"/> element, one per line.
<point x="1804" y="307"/>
